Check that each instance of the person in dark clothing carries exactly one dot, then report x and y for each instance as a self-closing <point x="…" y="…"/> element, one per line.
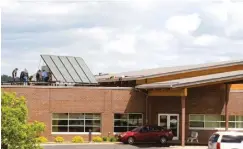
<point x="38" y="76"/>
<point x="14" y="74"/>
<point x="21" y="76"/>
<point x="50" y="77"/>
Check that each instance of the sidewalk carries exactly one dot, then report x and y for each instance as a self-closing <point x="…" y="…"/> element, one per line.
<point x="85" y="143"/>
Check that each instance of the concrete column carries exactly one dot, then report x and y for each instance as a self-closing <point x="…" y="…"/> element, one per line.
<point x="226" y="107"/>
<point x="183" y="120"/>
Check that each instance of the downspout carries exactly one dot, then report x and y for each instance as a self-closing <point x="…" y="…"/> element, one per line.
<point x="146" y="108"/>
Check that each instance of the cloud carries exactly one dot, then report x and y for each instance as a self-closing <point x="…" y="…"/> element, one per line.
<point x="235" y="23"/>
<point x="123" y="44"/>
<point x="116" y="36"/>
<point x="183" y="24"/>
<point x="205" y="40"/>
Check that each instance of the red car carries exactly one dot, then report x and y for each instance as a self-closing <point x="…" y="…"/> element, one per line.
<point x="148" y="133"/>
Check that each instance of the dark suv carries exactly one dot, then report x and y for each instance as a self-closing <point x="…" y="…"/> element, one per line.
<point x="148" y="133"/>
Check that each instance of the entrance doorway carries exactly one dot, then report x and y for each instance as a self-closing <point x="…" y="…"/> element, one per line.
<point x="170" y="121"/>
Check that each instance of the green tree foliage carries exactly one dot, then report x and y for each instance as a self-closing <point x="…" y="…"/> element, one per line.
<point x="6" y="78"/>
<point x="17" y="133"/>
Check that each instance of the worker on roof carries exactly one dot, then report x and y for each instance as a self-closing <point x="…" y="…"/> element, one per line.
<point x="21" y="77"/>
<point x="44" y="76"/>
<point x="14" y="74"/>
<point x="38" y="76"/>
<point x="25" y="76"/>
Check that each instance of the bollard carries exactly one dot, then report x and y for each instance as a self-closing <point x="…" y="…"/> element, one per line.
<point x="90" y="135"/>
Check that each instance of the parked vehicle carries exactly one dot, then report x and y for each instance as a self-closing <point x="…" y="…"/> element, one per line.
<point x="226" y="140"/>
<point x="148" y="133"/>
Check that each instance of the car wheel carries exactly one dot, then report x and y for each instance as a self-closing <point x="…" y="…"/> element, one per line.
<point x="130" y="140"/>
<point x="163" y="140"/>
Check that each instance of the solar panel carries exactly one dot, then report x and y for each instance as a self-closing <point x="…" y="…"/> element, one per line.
<point x="86" y="70"/>
<point x="49" y="62"/>
<point x="62" y="69"/>
<point x="69" y="69"/>
<point x="79" y="70"/>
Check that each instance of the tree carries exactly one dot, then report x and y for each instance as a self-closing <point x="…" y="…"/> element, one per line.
<point x="17" y="133"/>
<point x="6" y="78"/>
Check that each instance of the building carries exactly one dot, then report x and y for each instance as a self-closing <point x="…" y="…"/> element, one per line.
<point x="203" y="98"/>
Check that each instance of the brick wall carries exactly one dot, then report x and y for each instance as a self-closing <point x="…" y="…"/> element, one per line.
<point x="200" y="100"/>
<point x="42" y="102"/>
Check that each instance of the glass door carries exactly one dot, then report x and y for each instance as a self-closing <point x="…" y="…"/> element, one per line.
<point x="170" y="121"/>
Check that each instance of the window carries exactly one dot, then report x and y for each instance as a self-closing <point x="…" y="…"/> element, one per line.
<point x="214" y="121"/>
<point x="76" y="122"/>
<point x="235" y="121"/>
<point x="155" y="128"/>
<point x="197" y="121"/>
<point x="126" y="122"/>
<point x="232" y="139"/>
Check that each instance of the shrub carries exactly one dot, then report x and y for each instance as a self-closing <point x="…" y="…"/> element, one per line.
<point x="105" y="139"/>
<point x="59" y="139"/>
<point x="78" y="139"/>
<point x="41" y="139"/>
<point x="97" y="139"/>
<point x="113" y="139"/>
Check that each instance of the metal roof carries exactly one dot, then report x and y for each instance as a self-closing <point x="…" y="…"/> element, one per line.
<point x="226" y="76"/>
<point x="163" y="71"/>
<point x="69" y="69"/>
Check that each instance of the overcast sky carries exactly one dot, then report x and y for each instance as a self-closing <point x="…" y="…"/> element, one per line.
<point x="116" y="36"/>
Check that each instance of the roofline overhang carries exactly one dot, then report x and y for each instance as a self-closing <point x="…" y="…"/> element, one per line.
<point x="172" y="73"/>
<point x="192" y="84"/>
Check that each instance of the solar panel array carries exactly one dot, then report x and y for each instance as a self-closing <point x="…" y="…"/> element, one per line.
<point x="69" y="69"/>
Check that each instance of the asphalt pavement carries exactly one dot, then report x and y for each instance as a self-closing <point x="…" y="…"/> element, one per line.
<point x="119" y="146"/>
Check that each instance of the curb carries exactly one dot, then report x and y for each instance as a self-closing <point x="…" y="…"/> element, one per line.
<point x="92" y="143"/>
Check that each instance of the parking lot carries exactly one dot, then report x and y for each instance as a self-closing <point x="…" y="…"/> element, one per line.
<point x="119" y="146"/>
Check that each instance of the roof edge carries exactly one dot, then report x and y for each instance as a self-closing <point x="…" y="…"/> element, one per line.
<point x="240" y="62"/>
<point x="188" y="84"/>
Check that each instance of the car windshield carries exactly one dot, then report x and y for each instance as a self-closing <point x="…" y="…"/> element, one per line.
<point x="136" y="129"/>
<point x="232" y="139"/>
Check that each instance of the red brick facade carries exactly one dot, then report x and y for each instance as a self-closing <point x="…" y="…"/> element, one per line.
<point x="43" y="101"/>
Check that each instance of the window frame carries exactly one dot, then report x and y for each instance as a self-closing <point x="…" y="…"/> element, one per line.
<point x="68" y="119"/>
<point x="126" y="119"/>
<point x="213" y="128"/>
